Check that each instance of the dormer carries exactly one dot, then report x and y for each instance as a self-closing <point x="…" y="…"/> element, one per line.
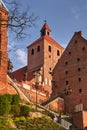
<point x="45" y="30"/>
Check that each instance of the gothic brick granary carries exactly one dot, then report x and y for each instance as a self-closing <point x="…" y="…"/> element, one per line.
<point x="70" y="73"/>
<point x="70" y="78"/>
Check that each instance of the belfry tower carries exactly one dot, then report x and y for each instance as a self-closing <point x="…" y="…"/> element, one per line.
<point x="3" y="44"/>
<point x="43" y="54"/>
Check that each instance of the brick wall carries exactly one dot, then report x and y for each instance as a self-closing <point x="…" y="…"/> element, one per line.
<point x="3" y="46"/>
<point x="44" y="58"/>
<point x="70" y="74"/>
<point x="80" y="119"/>
<point x="56" y="105"/>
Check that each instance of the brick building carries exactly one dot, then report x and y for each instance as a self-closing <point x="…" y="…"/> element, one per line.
<point x="43" y="54"/>
<point x="70" y="79"/>
<point x="3" y="42"/>
<point x="5" y="87"/>
<point x="50" y="71"/>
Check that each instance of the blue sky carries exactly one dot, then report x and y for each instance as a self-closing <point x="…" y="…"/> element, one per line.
<point x="64" y="18"/>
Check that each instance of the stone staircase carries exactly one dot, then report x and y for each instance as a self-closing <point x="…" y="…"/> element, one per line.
<point x="62" y="121"/>
<point x="21" y="94"/>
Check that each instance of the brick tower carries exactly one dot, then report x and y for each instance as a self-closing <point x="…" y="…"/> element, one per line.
<point x="3" y="44"/>
<point x="43" y="55"/>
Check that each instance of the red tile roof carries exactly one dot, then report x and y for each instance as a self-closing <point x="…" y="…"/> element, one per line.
<point x="45" y="27"/>
<point x="46" y="37"/>
<point x="53" y="41"/>
<point x="19" y="74"/>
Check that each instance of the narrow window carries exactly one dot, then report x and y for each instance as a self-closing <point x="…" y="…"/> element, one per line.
<point x="79" y="69"/>
<point x="48" y="33"/>
<point x="50" y="69"/>
<point x="75" y="41"/>
<point x="49" y="56"/>
<point x="80" y="90"/>
<point x="67" y="82"/>
<point x="69" y="52"/>
<point x="49" y="48"/>
<point x="66" y="63"/>
<point x="32" y="52"/>
<point x="58" y="53"/>
<point x="78" y="59"/>
<point x="66" y="72"/>
<point x="79" y="79"/>
<point x="83" y="48"/>
<point x="38" y="48"/>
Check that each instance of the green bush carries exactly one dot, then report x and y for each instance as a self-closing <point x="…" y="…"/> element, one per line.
<point x="15" y="109"/>
<point x="24" y="110"/>
<point x="9" y="97"/>
<point x="15" y="99"/>
<point x="5" y="106"/>
<point x="5" y="124"/>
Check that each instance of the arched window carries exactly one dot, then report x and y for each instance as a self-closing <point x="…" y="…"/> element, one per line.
<point x="38" y="48"/>
<point x="58" y="53"/>
<point x="49" y="48"/>
<point x="32" y="52"/>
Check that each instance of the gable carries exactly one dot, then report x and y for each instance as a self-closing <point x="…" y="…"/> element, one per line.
<point x="75" y="53"/>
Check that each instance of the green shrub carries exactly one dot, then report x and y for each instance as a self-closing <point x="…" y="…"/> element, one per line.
<point x="9" y="97"/>
<point x="15" y="99"/>
<point x="5" y="106"/>
<point x="24" y="110"/>
<point x="15" y="109"/>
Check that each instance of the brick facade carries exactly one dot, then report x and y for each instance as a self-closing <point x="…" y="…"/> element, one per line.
<point x="3" y="45"/>
<point x="61" y="73"/>
<point x="43" y="55"/>
<point x="5" y="87"/>
<point x="70" y="73"/>
<point x="80" y="119"/>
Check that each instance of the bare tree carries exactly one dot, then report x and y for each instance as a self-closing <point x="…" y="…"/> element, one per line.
<point x="19" y="20"/>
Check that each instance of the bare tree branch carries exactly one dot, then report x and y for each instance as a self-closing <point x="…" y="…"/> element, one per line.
<point x="19" y="20"/>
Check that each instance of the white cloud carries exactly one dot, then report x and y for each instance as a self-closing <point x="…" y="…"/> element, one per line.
<point x="21" y="56"/>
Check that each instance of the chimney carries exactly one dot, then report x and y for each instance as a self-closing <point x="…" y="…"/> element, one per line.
<point x="79" y="33"/>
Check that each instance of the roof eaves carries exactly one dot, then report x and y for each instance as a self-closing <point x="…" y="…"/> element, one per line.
<point x="52" y="40"/>
<point x="39" y="39"/>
